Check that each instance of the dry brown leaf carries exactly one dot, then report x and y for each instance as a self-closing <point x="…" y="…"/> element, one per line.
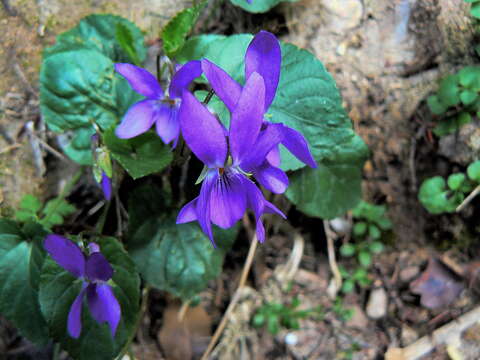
<point x="182" y="340"/>
<point x="438" y="285"/>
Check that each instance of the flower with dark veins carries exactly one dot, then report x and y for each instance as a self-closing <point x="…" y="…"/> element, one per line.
<point x="158" y="108"/>
<point x="264" y="57"/>
<point x="95" y="271"/>
<point x="231" y="157"/>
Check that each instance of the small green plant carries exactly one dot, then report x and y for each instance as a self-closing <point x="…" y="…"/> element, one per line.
<point x="348" y="353"/>
<point x="341" y="311"/>
<point x="370" y="221"/>
<point x="276" y="315"/>
<point x="53" y="213"/>
<point x="440" y="196"/>
<point x="457" y="100"/>
<point x="358" y="276"/>
<point x="363" y="251"/>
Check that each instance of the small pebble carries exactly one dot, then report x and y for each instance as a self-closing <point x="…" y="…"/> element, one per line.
<point x="291" y="339"/>
<point x="377" y="304"/>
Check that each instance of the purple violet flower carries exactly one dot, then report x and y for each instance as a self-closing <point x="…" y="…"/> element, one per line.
<point x="95" y="271"/>
<point x="106" y="184"/>
<point x="231" y="156"/>
<point x="158" y="108"/>
<point x="264" y="57"/>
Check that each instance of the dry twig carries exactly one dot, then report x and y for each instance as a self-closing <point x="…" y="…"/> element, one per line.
<point x="236" y="296"/>
<point x="469" y="198"/>
<point x="331" y="257"/>
<point x="448" y="334"/>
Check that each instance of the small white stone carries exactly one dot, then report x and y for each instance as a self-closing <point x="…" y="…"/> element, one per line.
<point x="377" y="304"/>
<point x="291" y="339"/>
<point x="340" y="225"/>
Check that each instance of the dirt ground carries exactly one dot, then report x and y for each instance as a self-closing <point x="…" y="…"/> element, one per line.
<point x="386" y="57"/>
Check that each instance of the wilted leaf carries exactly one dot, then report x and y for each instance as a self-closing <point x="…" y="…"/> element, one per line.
<point x="438" y="286"/>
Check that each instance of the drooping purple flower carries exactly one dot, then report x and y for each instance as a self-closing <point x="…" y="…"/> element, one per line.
<point x="264" y="57"/>
<point x="158" y="108"/>
<point x="106" y="185"/>
<point x="231" y="156"/>
<point x="95" y="271"/>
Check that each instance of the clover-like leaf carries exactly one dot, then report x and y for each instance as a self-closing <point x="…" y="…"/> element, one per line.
<point x="58" y="290"/>
<point x="469" y="77"/>
<point x="452" y="124"/>
<point x="436" y="107"/>
<point x="456" y="180"/>
<point x="473" y="171"/>
<point x="449" y="91"/>
<point x="347" y="249"/>
<point x="365" y="258"/>
<point x="468" y="97"/>
<point x="360" y="228"/>
<point x="434" y="195"/>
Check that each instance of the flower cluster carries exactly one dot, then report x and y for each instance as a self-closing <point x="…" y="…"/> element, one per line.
<point x="94" y="271"/>
<point x="233" y="157"/>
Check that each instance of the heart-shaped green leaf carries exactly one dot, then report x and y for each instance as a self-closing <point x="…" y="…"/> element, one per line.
<point x="141" y="155"/>
<point x="21" y="257"/>
<point x="258" y="6"/>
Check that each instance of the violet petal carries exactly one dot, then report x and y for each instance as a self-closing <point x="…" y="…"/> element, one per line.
<point x="202" y="132"/>
<point x="264" y="56"/>
<point x="183" y="77"/>
<point x="273" y="157"/>
<point x="138" y="119"/>
<point x="103" y="305"/>
<point x="74" y="321"/>
<point x="66" y="254"/>
<point x="167" y="124"/>
<point x="272" y="178"/>
<point x="259" y="206"/>
<point x="97" y="267"/>
<point x="266" y="141"/>
<point x="247" y="118"/>
<point x="227" y="199"/>
<point x="296" y="143"/>
<point x="106" y="185"/>
<point x="188" y="213"/>
<point x="203" y="204"/>
<point x="140" y="80"/>
<point x="227" y="89"/>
